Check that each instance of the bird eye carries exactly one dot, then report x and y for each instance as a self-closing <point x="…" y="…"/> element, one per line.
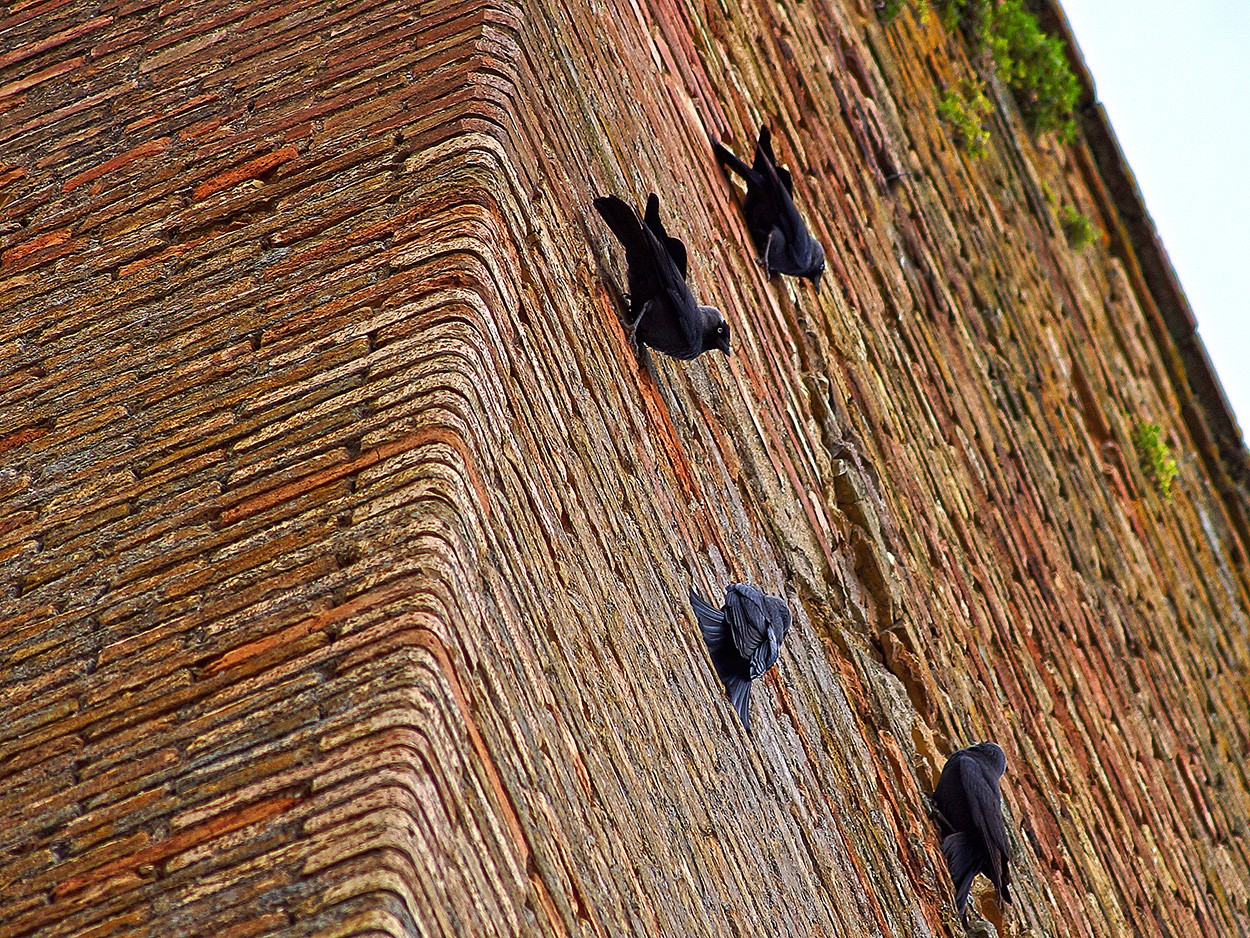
<point x="721" y="330"/>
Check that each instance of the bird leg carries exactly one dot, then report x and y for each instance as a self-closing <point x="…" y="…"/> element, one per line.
<point x="937" y="817"/>
<point x="633" y="326"/>
<point x="763" y="261"/>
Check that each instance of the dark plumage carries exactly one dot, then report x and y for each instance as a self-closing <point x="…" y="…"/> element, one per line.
<point x="778" y="230"/>
<point x="970" y="814"/>
<point x="663" y="311"/>
<point x="744" y="639"/>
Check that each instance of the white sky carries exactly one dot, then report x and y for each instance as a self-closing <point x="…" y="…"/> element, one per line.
<point x="1175" y="80"/>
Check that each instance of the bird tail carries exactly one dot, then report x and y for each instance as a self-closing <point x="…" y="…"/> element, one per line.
<point x="622" y="219"/>
<point x="963" y="859"/>
<point x="731" y="162"/>
<point x="724" y="656"/>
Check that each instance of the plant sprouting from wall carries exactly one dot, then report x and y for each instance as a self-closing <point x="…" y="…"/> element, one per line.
<point x="965" y="107"/>
<point x="1033" y="64"/>
<point x="889" y="9"/>
<point x="1077" y="228"/>
<point x="1155" y="458"/>
<point x="1035" y="67"/>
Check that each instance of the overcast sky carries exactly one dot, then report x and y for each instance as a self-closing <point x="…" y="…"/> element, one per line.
<point x="1175" y="79"/>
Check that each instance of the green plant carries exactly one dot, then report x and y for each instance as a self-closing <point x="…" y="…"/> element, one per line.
<point x="1077" y="228"/>
<point x="965" y="107"/>
<point x="1035" y="67"/>
<point x="889" y="9"/>
<point x="968" y="15"/>
<point x="1033" y="64"/>
<point x="1155" y="458"/>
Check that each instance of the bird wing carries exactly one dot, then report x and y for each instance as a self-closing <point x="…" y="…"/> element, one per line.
<point x="779" y="612"/>
<point x="675" y="247"/>
<point x="748" y="619"/>
<point x="764" y="150"/>
<point x="784" y="175"/>
<point x="776" y="625"/>
<point x="986" y="813"/>
<point x="677" y="328"/>
<point x="766" y="162"/>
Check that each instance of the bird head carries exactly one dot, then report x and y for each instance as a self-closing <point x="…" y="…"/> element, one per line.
<point x="717" y="335"/>
<point x="992" y="755"/>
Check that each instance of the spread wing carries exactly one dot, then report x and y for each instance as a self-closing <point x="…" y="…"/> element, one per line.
<point x="986" y="814"/>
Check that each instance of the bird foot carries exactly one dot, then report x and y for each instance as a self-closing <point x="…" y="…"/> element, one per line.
<point x="633" y="330"/>
<point x="936" y="816"/>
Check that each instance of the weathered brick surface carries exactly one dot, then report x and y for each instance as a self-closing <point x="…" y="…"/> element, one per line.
<point x="345" y="541"/>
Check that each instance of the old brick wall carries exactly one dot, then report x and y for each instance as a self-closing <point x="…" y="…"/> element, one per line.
<point x="345" y="541"/>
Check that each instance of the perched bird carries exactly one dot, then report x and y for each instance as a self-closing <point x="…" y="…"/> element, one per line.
<point x="777" y="228"/>
<point x="968" y="810"/>
<point x="744" y="639"/>
<point x="663" y="311"/>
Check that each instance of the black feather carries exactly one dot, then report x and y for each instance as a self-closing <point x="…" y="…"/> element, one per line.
<point x="743" y="639"/>
<point x="781" y="236"/>
<point x="968" y="800"/>
<point x="663" y="312"/>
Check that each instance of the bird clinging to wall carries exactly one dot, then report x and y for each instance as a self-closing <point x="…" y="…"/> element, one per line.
<point x="969" y="811"/>
<point x="663" y="311"/>
<point x="744" y="639"/>
<point x="777" y="228"/>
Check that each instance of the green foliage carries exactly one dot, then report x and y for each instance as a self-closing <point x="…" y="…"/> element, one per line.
<point x="1035" y="67"/>
<point x="965" y="108"/>
<point x="1155" y="458"/>
<point x="968" y="15"/>
<point x="1077" y="228"/>
<point x="889" y="9"/>
<point x="1033" y="64"/>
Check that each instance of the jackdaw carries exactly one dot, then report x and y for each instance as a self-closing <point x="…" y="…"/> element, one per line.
<point x="777" y="228"/>
<point x="968" y="810"/>
<point x="744" y="639"/>
<point x="663" y="311"/>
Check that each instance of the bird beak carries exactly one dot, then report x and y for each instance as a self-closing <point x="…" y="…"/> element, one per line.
<point x="816" y="281"/>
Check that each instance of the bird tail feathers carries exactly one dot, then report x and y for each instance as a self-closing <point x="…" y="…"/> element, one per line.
<point x="963" y="859"/>
<point x="739" y="690"/>
<point x="731" y="162"/>
<point x="621" y="218"/>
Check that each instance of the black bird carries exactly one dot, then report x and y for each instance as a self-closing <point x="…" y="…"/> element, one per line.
<point x="971" y="817"/>
<point x="777" y="228"/>
<point x="744" y="639"/>
<point x="663" y="311"/>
